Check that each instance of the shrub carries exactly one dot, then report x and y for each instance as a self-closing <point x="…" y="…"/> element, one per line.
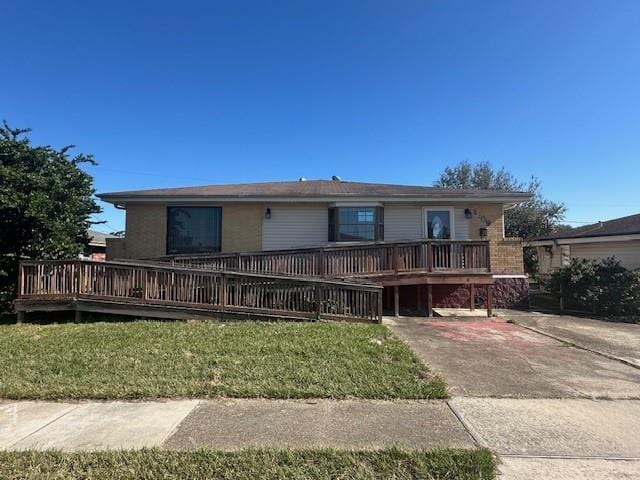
<point x="604" y="287"/>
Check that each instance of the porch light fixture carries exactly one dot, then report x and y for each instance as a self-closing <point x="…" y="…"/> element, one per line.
<point x="467" y="213"/>
<point x="483" y="232"/>
<point x="267" y="213"/>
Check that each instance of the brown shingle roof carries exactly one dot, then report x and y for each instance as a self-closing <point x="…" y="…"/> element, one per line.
<point x="618" y="226"/>
<point x="307" y="188"/>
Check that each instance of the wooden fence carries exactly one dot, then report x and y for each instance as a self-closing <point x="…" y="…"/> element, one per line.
<point x="374" y="259"/>
<point x="148" y="284"/>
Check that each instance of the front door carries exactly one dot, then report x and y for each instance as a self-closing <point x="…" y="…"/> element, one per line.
<point x="438" y="223"/>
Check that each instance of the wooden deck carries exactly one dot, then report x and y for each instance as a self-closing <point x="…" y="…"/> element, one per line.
<point x="180" y="292"/>
<point x="390" y="264"/>
<point x="362" y="260"/>
<point x="343" y="282"/>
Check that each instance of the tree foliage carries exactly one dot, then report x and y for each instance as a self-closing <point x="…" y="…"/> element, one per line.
<point x="536" y="218"/>
<point x="46" y="202"/>
<point x="604" y="287"/>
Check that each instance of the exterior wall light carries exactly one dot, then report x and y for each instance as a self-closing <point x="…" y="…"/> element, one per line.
<point x="267" y="213"/>
<point x="467" y="213"/>
<point x="483" y="232"/>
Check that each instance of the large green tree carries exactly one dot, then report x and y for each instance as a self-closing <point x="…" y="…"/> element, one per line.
<point x="46" y="203"/>
<point x="535" y="218"/>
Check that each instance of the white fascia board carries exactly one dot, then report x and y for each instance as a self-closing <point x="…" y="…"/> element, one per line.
<point x="441" y="199"/>
<point x="572" y="241"/>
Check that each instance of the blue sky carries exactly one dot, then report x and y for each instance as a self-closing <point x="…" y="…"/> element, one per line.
<point x="187" y="93"/>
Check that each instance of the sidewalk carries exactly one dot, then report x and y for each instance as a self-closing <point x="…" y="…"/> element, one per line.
<point x="567" y="438"/>
<point x="230" y="424"/>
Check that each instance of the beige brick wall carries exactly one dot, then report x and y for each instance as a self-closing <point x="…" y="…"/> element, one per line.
<point x="506" y="256"/>
<point x="489" y="216"/>
<point x="506" y="253"/>
<point x="242" y="228"/>
<point x="146" y="231"/>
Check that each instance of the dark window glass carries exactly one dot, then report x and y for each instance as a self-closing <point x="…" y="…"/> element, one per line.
<point x="193" y="229"/>
<point x="353" y="224"/>
<point x="439" y="224"/>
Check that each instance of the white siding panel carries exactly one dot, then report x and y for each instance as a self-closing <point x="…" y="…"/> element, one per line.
<point x="628" y="253"/>
<point x="402" y="222"/>
<point x="461" y="224"/>
<point x="304" y="226"/>
<point x="291" y="227"/>
<point x="405" y="222"/>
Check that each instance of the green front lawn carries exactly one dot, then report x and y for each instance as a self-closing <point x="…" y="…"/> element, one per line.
<point x="250" y="464"/>
<point x="146" y="359"/>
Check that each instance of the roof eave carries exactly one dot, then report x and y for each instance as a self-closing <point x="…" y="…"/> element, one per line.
<point x="123" y="199"/>
<point x="540" y="242"/>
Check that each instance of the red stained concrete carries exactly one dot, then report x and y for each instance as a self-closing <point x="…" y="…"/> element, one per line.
<point x="495" y="358"/>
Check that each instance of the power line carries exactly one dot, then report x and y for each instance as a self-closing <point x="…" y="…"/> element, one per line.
<point x="147" y="174"/>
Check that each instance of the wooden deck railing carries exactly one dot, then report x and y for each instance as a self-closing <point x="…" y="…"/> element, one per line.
<point x="362" y="260"/>
<point x="147" y="284"/>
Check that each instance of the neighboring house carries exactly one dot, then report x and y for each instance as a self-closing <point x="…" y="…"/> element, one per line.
<point x="98" y="245"/>
<point x="618" y="238"/>
<point x="308" y="213"/>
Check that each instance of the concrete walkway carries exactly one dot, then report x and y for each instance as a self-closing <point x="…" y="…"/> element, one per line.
<point x="557" y="439"/>
<point x="619" y="341"/>
<point x="230" y="424"/>
<point x="552" y="438"/>
<point x="89" y="426"/>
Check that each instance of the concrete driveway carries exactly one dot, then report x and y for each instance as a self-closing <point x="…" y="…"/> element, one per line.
<point x="519" y="392"/>
<point x="617" y="340"/>
<point x="493" y="358"/>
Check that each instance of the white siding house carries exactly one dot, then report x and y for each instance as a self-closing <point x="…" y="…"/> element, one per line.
<point x="618" y="238"/>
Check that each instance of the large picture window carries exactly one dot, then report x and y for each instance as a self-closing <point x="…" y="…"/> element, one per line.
<point x="193" y="229"/>
<point x="356" y="224"/>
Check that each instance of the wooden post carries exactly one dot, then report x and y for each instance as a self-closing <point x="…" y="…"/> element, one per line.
<point x="489" y="300"/>
<point x="321" y="263"/>
<point x="429" y="300"/>
<point x="395" y="259"/>
<point x="380" y="306"/>
<point x="561" y="299"/>
<point x="145" y="280"/>
<point x="429" y="256"/>
<point x="318" y="291"/>
<point x="77" y="269"/>
<point x="77" y="316"/>
<point x="472" y="297"/>
<point x="19" y="317"/>
<point x="20" y="281"/>
<point x="396" y="300"/>
<point x="223" y="292"/>
<point x="488" y="244"/>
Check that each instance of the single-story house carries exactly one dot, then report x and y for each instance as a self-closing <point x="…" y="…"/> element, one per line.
<point x="98" y="245"/>
<point x="258" y="217"/>
<point x="618" y="238"/>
